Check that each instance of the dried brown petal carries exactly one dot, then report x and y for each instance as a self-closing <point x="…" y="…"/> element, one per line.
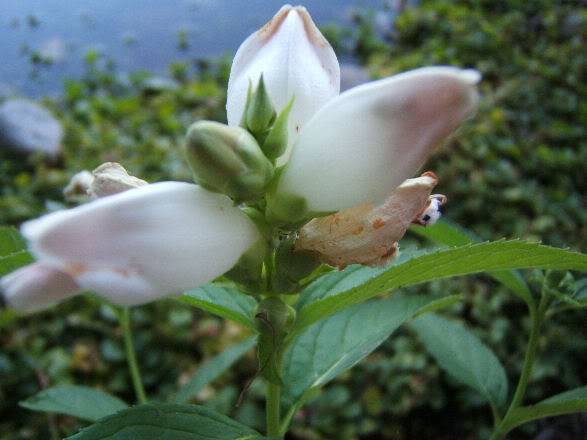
<point x="368" y="234"/>
<point x="111" y="178"/>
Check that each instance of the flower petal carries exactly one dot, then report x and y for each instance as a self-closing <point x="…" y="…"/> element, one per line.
<point x="368" y="234"/>
<point x="36" y="287"/>
<point x="295" y="60"/>
<point x="364" y="143"/>
<point x="145" y="243"/>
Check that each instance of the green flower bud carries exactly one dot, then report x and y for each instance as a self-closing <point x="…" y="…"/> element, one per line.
<point x="275" y="143"/>
<point x="227" y="160"/>
<point x="260" y="111"/>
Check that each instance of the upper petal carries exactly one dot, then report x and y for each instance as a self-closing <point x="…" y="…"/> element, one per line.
<point x="144" y="243"/>
<point x="296" y="61"/>
<point x="367" y="141"/>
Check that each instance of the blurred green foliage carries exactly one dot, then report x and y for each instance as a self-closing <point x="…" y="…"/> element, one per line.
<point x="516" y="170"/>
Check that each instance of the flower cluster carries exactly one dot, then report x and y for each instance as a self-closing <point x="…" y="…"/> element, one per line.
<point x="300" y="175"/>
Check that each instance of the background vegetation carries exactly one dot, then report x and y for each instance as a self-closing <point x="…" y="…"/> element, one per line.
<point x="516" y="170"/>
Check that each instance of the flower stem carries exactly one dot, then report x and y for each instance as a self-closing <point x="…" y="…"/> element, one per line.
<point x="537" y="318"/>
<point x="131" y="358"/>
<point x="273" y="409"/>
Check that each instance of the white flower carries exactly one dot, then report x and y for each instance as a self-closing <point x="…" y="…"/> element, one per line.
<point x="142" y="244"/>
<point x="367" y="141"/>
<point x="295" y="60"/>
<point x="36" y="287"/>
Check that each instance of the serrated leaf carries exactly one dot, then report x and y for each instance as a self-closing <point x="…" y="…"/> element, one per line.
<point x="333" y="345"/>
<point x="569" y="402"/>
<point x="224" y="301"/>
<point x="449" y="234"/>
<point x="462" y="354"/>
<point x="10" y="241"/>
<point x="212" y="369"/>
<point x="444" y="263"/>
<point x="77" y="401"/>
<point x="169" y="422"/>
<point x="11" y="262"/>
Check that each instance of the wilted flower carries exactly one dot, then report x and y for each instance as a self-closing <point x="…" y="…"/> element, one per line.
<point x="369" y="234"/>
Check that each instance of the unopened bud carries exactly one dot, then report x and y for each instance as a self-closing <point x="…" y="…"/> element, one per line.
<point x="260" y="111"/>
<point x="227" y="160"/>
<point x="275" y="143"/>
<point x="111" y="178"/>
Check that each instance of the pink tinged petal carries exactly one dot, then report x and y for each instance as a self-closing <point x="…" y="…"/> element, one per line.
<point x="36" y="287"/>
<point x="368" y="234"/>
<point x="295" y="60"/>
<point x="145" y="243"/>
<point x="364" y="143"/>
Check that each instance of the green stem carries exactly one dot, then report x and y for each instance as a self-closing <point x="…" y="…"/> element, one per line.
<point x="537" y="318"/>
<point x="273" y="409"/>
<point x="131" y="358"/>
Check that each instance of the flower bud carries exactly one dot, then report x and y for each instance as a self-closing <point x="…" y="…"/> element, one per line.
<point x="260" y="111"/>
<point x="227" y="160"/>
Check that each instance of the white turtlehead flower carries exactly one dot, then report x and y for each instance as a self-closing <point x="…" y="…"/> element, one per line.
<point x="36" y="287"/>
<point x="368" y="140"/>
<point x="295" y="60"/>
<point x="143" y="244"/>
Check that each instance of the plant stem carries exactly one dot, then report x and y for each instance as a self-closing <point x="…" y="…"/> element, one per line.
<point x="273" y="409"/>
<point x="537" y="318"/>
<point x="131" y="358"/>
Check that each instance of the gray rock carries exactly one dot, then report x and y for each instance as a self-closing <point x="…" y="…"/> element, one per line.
<point x="352" y="75"/>
<point x="157" y="84"/>
<point x="28" y="127"/>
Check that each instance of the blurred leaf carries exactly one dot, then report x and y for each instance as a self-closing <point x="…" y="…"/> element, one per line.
<point x="77" y="401"/>
<point x="224" y="301"/>
<point x="10" y="241"/>
<point x="449" y="234"/>
<point x="464" y="357"/>
<point x="169" y="422"/>
<point x="569" y="402"/>
<point x="333" y="345"/>
<point x="212" y="369"/>
<point x="13" y="261"/>
<point x="462" y="260"/>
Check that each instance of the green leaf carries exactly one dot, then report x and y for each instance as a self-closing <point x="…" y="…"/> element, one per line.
<point x="169" y="422"/>
<point x="569" y="402"/>
<point x="224" y="301"/>
<point x="464" y="357"/>
<point x="77" y="401"/>
<point x="333" y="345"/>
<point x="449" y="234"/>
<point x="212" y="369"/>
<point x="10" y="241"/>
<point x="11" y="262"/>
<point x="462" y="260"/>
